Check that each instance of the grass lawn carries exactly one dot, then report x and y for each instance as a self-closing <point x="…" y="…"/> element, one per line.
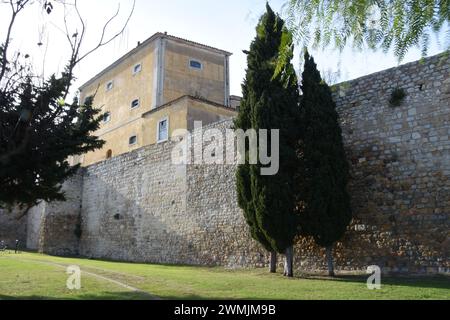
<point x="34" y="276"/>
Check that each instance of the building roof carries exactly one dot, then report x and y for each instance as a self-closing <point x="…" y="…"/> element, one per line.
<point x="150" y="40"/>
<point x="204" y="46"/>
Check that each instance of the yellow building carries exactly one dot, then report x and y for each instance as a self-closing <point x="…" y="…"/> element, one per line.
<point x="164" y="84"/>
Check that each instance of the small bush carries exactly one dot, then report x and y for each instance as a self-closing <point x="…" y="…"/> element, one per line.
<point x="397" y="97"/>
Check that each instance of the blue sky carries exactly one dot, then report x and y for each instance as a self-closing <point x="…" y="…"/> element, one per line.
<point x="228" y="25"/>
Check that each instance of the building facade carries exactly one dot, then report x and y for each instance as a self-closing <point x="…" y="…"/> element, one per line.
<point x="164" y="84"/>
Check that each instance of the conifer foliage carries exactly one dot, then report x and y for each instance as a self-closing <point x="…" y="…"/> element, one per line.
<point x="38" y="132"/>
<point x="324" y="169"/>
<point x="269" y="103"/>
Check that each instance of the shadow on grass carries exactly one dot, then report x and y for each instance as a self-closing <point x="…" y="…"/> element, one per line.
<point x="114" y="261"/>
<point x="434" y="281"/>
<point x="111" y="296"/>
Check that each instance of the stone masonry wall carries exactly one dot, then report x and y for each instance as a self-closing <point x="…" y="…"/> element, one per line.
<point x="134" y="208"/>
<point x="55" y="228"/>
<point x="400" y="160"/>
<point x="12" y="228"/>
<point x="141" y="207"/>
<point x="34" y="220"/>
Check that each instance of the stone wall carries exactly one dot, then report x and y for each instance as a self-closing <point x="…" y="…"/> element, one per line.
<point x="56" y="228"/>
<point x="34" y="220"/>
<point x="12" y="228"/>
<point x="400" y="168"/>
<point x="60" y="229"/>
<point x="134" y="208"/>
<point x="141" y="207"/>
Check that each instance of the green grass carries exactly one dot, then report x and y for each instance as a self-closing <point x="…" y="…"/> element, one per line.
<point x="34" y="276"/>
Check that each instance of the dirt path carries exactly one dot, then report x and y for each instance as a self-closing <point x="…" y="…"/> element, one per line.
<point x="95" y="275"/>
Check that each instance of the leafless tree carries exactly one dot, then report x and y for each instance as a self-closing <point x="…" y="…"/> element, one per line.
<point x="75" y="39"/>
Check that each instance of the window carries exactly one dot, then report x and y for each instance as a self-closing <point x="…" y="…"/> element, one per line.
<point x="107" y="117"/>
<point x="137" y="68"/>
<point x="109" y="85"/>
<point x="194" y="64"/>
<point x="135" y="104"/>
<point x="109" y="154"/>
<point x="132" y="140"/>
<point x="163" y="130"/>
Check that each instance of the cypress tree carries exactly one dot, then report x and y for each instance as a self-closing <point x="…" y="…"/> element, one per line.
<point x="325" y="170"/>
<point x="270" y="102"/>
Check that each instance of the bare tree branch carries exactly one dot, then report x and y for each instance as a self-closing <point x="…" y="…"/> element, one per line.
<point x="104" y="42"/>
<point x="16" y="8"/>
<point x="76" y="40"/>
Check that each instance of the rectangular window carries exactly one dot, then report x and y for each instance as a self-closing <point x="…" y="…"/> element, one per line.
<point x="137" y="68"/>
<point x="132" y="140"/>
<point x="194" y="64"/>
<point x="109" y="85"/>
<point x="107" y="117"/>
<point x="135" y="104"/>
<point x="163" y="130"/>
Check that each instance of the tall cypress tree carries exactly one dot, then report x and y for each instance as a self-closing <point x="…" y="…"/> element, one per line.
<point x="325" y="170"/>
<point x="269" y="103"/>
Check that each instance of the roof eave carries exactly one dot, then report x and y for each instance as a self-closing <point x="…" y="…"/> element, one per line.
<point x="143" y="45"/>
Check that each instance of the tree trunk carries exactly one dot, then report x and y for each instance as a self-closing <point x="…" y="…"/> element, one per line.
<point x="289" y="262"/>
<point x="273" y="262"/>
<point x="330" y="261"/>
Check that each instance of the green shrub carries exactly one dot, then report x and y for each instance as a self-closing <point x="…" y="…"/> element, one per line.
<point x="397" y="97"/>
